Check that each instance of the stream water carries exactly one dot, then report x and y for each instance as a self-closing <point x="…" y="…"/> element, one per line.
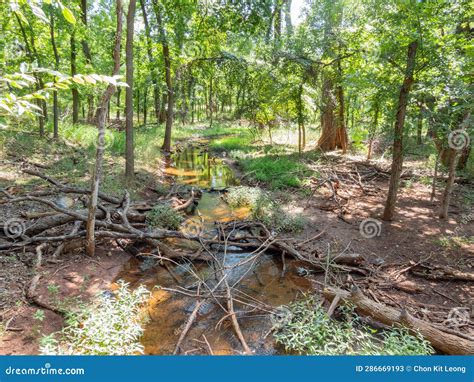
<point x="258" y="280"/>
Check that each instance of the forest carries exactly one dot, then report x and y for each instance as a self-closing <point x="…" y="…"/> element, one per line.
<point x="230" y="177"/>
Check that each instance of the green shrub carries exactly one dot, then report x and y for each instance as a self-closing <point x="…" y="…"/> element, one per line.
<point x="307" y="329"/>
<point x="399" y="341"/>
<point x="164" y="216"/>
<point x="243" y="196"/>
<point x="111" y="326"/>
<point x="264" y="208"/>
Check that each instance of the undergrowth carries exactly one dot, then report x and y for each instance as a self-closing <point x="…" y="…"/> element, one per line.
<point x="277" y="171"/>
<point x="264" y="208"/>
<point x="110" y="326"/>
<point x="307" y="329"/>
<point x="164" y="216"/>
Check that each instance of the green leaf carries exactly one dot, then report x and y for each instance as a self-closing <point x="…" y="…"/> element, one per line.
<point x="69" y="16"/>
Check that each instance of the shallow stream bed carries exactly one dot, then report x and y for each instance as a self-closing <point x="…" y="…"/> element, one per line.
<point x="258" y="281"/>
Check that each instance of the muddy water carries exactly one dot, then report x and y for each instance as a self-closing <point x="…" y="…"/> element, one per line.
<point x="256" y="280"/>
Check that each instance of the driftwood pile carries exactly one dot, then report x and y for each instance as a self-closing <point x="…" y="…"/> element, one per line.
<point x="63" y="206"/>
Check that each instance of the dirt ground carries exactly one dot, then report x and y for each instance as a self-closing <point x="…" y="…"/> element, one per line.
<point x="74" y="275"/>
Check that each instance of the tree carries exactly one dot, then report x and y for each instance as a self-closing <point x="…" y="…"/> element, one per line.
<point x="56" y="67"/>
<point x="333" y="131"/>
<point x="87" y="54"/>
<point x="169" y="82"/>
<point x="397" y="159"/>
<point x="129" y="154"/>
<point x="74" y="91"/>
<point x="151" y="62"/>
<point x="101" y="115"/>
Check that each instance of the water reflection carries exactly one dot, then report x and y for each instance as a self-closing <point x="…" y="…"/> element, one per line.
<point x="194" y="166"/>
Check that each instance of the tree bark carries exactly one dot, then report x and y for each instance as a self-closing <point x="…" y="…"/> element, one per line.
<point x="117" y="104"/>
<point x="300" y="111"/>
<point x="288" y="24"/>
<point x="454" y="156"/>
<point x="397" y="159"/>
<point x="327" y="141"/>
<point x="169" y="84"/>
<point x="56" y="67"/>
<point x="419" y="125"/>
<point x="129" y="154"/>
<point x="151" y="60"/>
<point x="75" y="93"/>
<point x="341" y="132"/>
<point x="101" y="115"/>
<point x="87" y="54"/>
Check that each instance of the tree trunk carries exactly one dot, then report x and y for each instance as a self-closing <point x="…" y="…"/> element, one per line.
<point x="90" y="109"/>
<point x="56" y="67"/>
<point x="341" y="132"/>
<point x="162" y="118"/>
<point x="300" y="111"/>
<point x="169" y="85"/>
<point x="288" y="24"/>
<point x="151" y="60"/>
<point x="38" y="82"/>
<point x="100" y="118"/>
<point x="117" y="112"/>
<point x="397" y="160"/>
<point x="138" y="106"/>
<point x="145" y="106"/>
<point x="75" y="93"/>
<point x="327" y="141"/>
<point x="278" y="19"/>
<point x="87" y="54"/>
<point x="129" y="154"/>
<point x="442" y="341"/>
<point x="374" y="128"/>
<point x="454" y="155"/>
<point x="419" y="125"/>
<point x="211" y="103"/>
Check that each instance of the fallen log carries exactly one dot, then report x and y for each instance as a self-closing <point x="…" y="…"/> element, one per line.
<point x="186" y="204"/>
<point x="441" y="273"/>
<point x="440" y="340"/>
<point x="346" y="259"/>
